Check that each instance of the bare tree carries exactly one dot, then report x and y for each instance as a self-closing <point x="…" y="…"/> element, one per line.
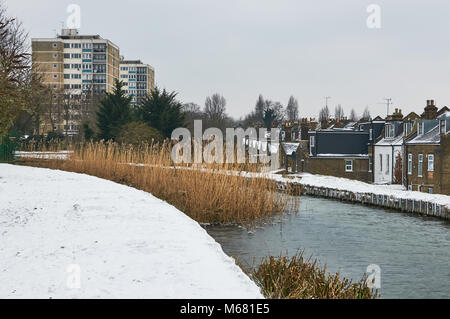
<point x="338" y="112"/>
<point x="292" y="109"/>
<point x="366" y="115"/>
<point x="353" y="116"/>
<point x="324" y="114"/>
<point x="215" y="108"/>
<point x="14" y="66"/>
<point x="192" y="112"/>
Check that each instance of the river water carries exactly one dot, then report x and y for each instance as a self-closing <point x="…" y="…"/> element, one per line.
<point x="412" y="252"/>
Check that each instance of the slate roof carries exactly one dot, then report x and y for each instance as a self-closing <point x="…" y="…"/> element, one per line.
<point x="397" y="140"/>
<point x="432" y="137"/>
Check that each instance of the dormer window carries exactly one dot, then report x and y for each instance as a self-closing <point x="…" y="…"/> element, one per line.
<point x="421" y="128"/>
<point x="443" y="126"/>
<point x="407" y="128"/>
<point x="389" y="131"/>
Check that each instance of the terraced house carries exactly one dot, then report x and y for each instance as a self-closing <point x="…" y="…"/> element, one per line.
<point x="427" y="153"/>
<point x="343" y="152"/>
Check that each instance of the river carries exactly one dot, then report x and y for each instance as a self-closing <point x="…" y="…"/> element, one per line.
<point x="412" y="252"/>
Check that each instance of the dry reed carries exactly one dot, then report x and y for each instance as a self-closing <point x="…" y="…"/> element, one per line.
<point x="301" y="278"/>
<point x="208" y="196"/>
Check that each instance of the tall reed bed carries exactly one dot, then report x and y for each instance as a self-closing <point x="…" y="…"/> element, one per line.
<point x="302" y="278"/>
<point x="208" y="195"/>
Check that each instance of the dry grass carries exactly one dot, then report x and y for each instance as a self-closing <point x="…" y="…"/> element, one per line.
<point x="207" y="196"/>
<point x="300" y="278"/>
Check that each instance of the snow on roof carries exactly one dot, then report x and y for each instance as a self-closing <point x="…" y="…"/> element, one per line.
<point x="290" y="148"/>
<point x="432" y="137"/>
<point x="444" y="115"/>
<point x="127" y="243"/>
<point x="398" y="140"/>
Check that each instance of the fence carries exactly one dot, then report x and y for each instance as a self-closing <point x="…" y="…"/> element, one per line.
<point x="7" y="147"/>
<point x="401" y="204"/>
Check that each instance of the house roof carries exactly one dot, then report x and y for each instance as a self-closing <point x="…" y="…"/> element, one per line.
<point x="343" y="155"/>
<point x="397" y="140"/>
<point x="431" y="137"/>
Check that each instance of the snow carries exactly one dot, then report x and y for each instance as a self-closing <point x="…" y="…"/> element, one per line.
<point x="126" y="243"/>
<point x="354" y="186"/>
<point x="62" y="155"/>
<point x="396" y="141"/>
<point x="431" y="137"/>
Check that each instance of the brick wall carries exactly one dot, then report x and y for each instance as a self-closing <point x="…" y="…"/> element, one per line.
<point x="428" y="179"/>
<point x="336" y="167"/>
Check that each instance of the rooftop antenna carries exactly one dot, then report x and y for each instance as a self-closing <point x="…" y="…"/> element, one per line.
<point x="388" y="103"/>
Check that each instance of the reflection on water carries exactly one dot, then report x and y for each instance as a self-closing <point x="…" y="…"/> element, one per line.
<point x="413" y="252"/>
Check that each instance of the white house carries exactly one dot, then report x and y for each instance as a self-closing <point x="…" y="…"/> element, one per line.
<point x="387" y="155"/>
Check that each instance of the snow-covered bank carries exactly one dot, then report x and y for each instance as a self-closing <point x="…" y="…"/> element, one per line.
<point x="61" y="155"/>
<point x="126" y="243"/>
<point x="361" y="187"/>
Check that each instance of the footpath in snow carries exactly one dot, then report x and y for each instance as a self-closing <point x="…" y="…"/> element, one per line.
<point x="66" y="235"/>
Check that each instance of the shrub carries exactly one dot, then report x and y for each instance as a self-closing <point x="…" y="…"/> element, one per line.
<point x="300" y="278"/>
<point x="137" y="133"/>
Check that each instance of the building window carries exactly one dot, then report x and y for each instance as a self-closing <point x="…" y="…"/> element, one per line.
<point x="410" y="158"/>
<point x="381" y="162"/>
<point x="442" y="125"/>
<point x="55" y="45"/>
<point x="431" y="163"/>
<point x="410" y="187"/>
<point x="349" y="166"/>
<point x="55" y="66"/>
<point x="389" y="132"/>
<point x="312" y="142"/>
<point x="55" y="76"/>
<point x="55" y="55"/>
<point x="407" y="128"/>
<point x="387" y="163"/>
<point x="430" y="190"/>
<point x="420" y="168"/>
<point x="421" y="128"/>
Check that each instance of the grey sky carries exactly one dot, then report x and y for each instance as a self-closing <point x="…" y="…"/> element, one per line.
<point x="241" y="48"/>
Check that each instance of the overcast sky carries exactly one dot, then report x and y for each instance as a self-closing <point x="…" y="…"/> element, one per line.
<point x="243" y="48"/>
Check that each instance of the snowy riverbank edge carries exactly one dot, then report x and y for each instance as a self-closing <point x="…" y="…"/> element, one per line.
<point x="126" y="243"/>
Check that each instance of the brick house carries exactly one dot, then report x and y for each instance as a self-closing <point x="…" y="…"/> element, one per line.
<point x="427" y="153"/>
<point x="342" y="153"/>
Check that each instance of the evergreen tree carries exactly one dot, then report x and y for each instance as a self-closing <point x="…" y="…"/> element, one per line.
<point x="161" y="111"/>
<point x="114" y="112"/>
